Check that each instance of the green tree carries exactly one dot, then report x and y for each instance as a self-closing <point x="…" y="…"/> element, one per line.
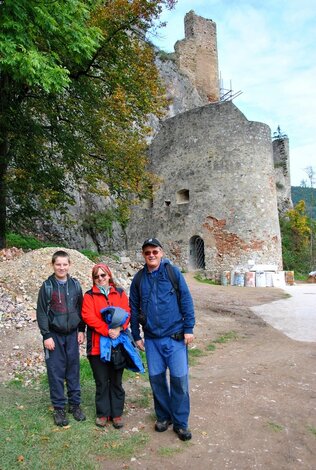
<point x="77" y="82"/>
<point x="296" y="230"/>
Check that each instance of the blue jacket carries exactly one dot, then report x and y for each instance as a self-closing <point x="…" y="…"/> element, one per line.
<point x="158" y="301"/>
<point x="125" y="338"/>
<point x="116" y="316"/>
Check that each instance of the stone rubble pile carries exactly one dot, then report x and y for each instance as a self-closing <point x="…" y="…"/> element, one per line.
<point x="13" y="312"/>
<point x="10" y="253"/>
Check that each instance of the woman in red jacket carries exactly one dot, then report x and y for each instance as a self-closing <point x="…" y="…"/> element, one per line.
<point x="110" y="395"/>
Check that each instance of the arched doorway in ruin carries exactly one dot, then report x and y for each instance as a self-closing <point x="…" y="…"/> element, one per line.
<point x="197" y="255"/>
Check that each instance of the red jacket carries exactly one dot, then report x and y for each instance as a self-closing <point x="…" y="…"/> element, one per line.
<point x="93" y="302"/>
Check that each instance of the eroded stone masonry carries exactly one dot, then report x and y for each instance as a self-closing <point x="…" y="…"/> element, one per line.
<point x="216" y="204"/>
<point x="196" y="56"/>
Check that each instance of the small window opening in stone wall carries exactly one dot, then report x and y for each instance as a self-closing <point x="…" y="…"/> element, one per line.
<point x="183" y="196"/>
<point x="167" y="202"/>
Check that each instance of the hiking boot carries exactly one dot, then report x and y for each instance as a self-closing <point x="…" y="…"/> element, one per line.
<point x="162" y="426"/>
<point x="77" y="412"/>
<point x="101" y="421"/>
<point x="118" y="422"/>
<point x="60" y="417"/>
<point x="183" y="434"/>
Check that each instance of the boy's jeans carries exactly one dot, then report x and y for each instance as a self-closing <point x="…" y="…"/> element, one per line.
<point x="63" y="365"/>
<point x="171" y="400"/>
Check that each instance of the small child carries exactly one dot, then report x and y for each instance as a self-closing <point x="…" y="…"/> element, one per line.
<point x="59" y="319"/>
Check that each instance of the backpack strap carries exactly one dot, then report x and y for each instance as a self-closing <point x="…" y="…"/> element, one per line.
<point x="48" y="292"/>
<point x="77" y="285"/>
<point x="137" y="280"/>
<point x="119" y="290"/>
<point x="173" y="279"/>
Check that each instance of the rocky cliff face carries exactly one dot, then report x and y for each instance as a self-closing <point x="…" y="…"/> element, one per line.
<point x="181" y="93"/>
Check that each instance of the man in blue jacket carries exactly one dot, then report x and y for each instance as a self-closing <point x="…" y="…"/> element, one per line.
<point x="164" y="308"/>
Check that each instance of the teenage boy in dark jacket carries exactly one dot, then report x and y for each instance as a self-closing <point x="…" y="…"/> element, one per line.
<point x="59" y="319"/>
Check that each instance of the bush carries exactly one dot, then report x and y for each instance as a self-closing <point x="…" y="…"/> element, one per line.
<point x="26" y="242"/>
<point x="92" y="255"/>
<point x="298" y="240"/>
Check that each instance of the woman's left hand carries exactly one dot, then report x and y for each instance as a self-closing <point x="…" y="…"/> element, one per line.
<point x="114" y="332"/>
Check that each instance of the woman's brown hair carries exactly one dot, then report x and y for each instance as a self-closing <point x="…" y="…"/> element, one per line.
<point x="105" y="269"/>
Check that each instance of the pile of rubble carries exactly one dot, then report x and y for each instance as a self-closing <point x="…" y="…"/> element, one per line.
<point x="10" y="253"/>
<point x="21" y="278"/>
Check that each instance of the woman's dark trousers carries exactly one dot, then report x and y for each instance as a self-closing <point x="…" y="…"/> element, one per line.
<point x="109" y="395"/>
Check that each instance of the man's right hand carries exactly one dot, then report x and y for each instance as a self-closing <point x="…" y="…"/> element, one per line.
<point x="49" y="344"/>
<point x="140" y="344"/>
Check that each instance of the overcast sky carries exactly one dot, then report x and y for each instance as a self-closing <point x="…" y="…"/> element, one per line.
<point x="267" y="49"/>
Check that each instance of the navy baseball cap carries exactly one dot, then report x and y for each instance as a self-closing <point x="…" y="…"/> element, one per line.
<point x="151" y="242"/>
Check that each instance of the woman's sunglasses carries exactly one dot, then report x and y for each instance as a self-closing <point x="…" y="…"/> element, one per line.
<point x="96" y="276"/>
<point x="153" y="252"/>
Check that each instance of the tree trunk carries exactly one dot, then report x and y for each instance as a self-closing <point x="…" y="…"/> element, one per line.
<point x="3" y="192"/>
<point x="4" y="149"/>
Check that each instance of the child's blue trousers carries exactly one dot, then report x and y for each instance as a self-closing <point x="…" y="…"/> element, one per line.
<point x="63" y="365"/>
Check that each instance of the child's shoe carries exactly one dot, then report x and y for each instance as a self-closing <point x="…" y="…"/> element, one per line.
<point x="60" y="417"/>
<point x="77" y="412"/>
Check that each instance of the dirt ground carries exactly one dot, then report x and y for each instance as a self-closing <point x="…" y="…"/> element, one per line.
<point x="253" y="399"/>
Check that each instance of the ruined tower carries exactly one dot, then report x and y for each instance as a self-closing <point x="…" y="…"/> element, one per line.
<point x="196" y="56"/>
<point x="215" y="204"/>
<point x="281" y="159"/>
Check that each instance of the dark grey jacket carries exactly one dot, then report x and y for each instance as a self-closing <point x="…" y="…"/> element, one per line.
<point x="61" y="313"/>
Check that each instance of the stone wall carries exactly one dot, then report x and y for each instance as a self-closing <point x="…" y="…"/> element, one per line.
<point x="196" y="56"/>
<point x="216" y="185"/>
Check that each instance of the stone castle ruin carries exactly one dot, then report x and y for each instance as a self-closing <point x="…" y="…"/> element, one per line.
<point x="221" y="179"/>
